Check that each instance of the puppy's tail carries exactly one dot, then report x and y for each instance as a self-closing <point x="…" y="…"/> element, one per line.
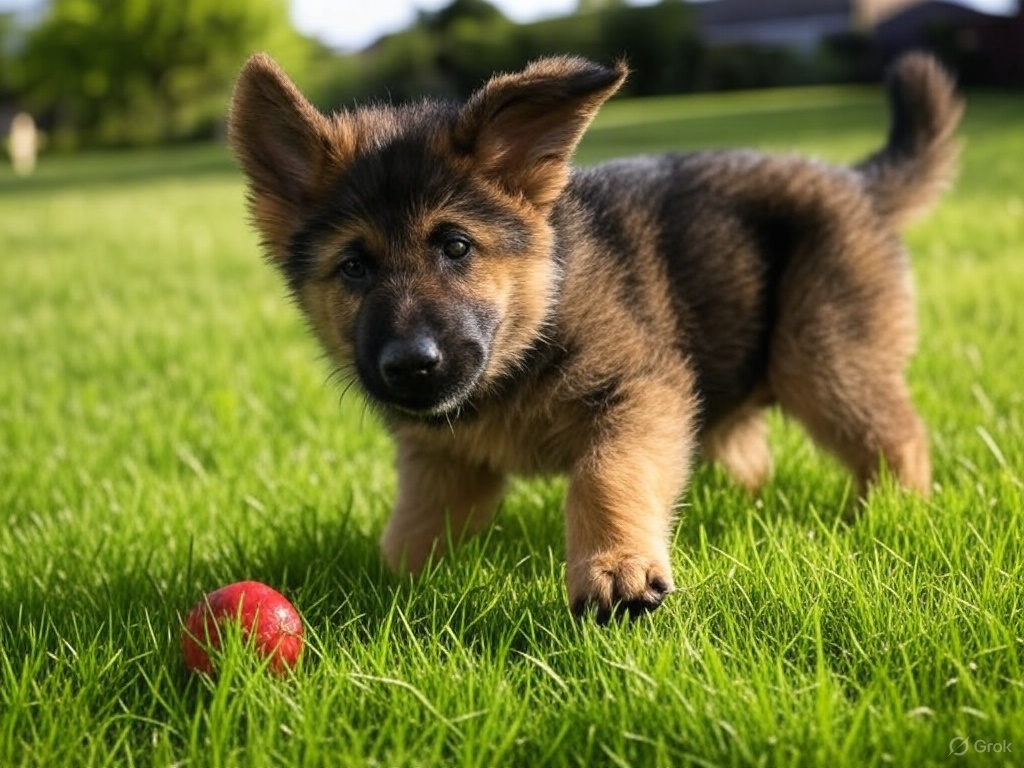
<point x="919" y="159"/>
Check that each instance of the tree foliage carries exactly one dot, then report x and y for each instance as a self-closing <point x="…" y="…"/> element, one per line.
<point x="658" y="40"/>
<point x="453" y="50"/>
<point x="132" y="71"/>
<point x="6" y="24"/>
<point x="127" y="71"/>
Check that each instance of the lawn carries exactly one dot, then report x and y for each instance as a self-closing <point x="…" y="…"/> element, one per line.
<point x="168" y="426"/>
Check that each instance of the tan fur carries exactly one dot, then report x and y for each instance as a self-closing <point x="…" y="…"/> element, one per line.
<point x="525" y="146"/>
<point x="902" y="191"/>
<point x="607" y="322"/>
<point x="739" y="443"/>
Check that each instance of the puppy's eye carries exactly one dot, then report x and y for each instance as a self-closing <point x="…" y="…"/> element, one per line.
<point x="455" y="247"/>
<point x="353" y="268"/>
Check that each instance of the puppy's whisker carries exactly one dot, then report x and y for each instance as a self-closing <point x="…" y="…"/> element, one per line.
<point x="351" y="383"/>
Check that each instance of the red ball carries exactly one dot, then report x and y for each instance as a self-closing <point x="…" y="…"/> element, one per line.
<point x="266" y="619"/>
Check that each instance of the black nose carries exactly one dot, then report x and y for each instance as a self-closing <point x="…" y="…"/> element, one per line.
<point x="409" y="362"/>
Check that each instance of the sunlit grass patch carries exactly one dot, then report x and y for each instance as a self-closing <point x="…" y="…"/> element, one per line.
<point x="168" y="426"/>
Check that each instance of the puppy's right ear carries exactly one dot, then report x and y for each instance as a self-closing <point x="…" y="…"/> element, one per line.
<point x="521" y="129"/>
<point x="284" y="145"/>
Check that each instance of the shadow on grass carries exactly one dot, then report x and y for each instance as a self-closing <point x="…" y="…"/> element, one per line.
<point x="502" y="592"/>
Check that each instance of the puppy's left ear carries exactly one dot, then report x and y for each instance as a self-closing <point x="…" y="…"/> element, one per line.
<point x="521" y="129"/>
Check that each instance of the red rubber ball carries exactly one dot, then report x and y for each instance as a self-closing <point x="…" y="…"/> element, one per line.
<point x="266" y="619"/>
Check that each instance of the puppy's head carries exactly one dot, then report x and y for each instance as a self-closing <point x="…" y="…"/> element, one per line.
<point x="416" y="238"/>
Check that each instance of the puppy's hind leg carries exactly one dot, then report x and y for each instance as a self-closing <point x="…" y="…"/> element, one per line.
<point x="868" y="422"/>
<point x="739" y="442"/>
<point x="838" y="365"/>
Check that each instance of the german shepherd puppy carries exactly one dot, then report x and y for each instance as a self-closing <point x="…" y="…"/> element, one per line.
<point x="506" y="313"/>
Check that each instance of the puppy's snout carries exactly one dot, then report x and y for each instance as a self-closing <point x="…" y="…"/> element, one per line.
<point x="409" y="362"/>
<point x="425" y="362"/>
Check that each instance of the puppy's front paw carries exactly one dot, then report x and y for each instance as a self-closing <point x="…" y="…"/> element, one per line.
<point x="613" y="584"/>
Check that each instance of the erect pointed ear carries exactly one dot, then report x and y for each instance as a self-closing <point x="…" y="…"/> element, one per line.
<point x="278" y="136"/>
<point x="522" y="128"/>
<point x="287" y="149"/>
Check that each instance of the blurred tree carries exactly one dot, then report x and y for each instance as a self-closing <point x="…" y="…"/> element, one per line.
<point x="659" y="41"/>
<point x="473" y="40"/>
<point x="588" y="6"/>
<point x="6" y="24"/>
<point x="131" y="71"/>
<point x="11" y="35"/>
<point x="448" y="53"/>
<point x="6" y="32"/>
<point x="459" y="10"/>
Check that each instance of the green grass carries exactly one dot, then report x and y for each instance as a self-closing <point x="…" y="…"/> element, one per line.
<point x="167" y="426"/>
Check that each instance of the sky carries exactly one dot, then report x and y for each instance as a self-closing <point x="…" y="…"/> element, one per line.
<point x="354" y="24"/>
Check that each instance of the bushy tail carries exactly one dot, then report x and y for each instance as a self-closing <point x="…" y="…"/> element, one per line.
<point x="919" y="158"/>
